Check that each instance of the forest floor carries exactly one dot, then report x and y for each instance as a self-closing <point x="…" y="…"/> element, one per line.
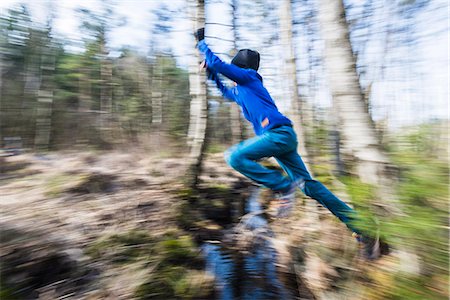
<point x="82" y="224"/>
<point x="65" y="202"/>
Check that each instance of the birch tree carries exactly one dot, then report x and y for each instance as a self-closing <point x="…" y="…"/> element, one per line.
<point x="358" y="134"/>
<point x="291" y="74"/>
<point x="295" y="114"/>
<point x="235" y="114"/>
<point x="358" y="138"/>
<point x="199" y="102"/>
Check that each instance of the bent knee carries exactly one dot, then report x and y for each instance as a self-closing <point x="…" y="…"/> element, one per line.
<point x="234" y="159"/>
<point x="227" y="155"/>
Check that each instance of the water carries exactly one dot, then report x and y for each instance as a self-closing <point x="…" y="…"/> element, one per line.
<point x="249" y="274"/>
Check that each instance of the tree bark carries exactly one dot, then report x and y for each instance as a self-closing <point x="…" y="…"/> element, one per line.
<point x="358" y="134"/>
<point x="359" y="141"/>
<point x="84" y="104"/>
<point x="44" y="106"/>
<point x="356" y="128"/>
<point x="235" y="113"/>
<point x="311" y="209"/>
<point x="199" y="102"/>
<point x="291" y="74"/>
<point x="157" y="92"/>
<point x="105" y="95"/>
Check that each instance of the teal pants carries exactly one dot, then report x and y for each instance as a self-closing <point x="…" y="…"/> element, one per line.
<point x="281" y="143"/>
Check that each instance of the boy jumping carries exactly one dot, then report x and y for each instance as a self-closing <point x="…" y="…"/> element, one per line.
<point x="275" y="137"/>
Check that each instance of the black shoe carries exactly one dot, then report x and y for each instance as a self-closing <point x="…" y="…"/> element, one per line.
<point x="371" y="248"/>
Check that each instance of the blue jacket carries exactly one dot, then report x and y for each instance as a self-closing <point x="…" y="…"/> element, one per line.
<point x="257" y="105"/>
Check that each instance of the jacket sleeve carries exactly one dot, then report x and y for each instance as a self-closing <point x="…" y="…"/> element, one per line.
<point x="226" y="92"/>
<point x="232" y="72"/>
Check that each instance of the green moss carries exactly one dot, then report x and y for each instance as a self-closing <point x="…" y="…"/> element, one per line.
<point x="363" y="195"/>
<point x="7" y="293"/>
<point x="269" y="165"/>
<point x="194" y="285"/>
<point x="176" y="283"/>
<point x="56" y="185"/>
<point x="422" y="227"/>
<point x="187" y="215"/>
<point x="220" y="188"/>
<point x="423" y="191"/>
<point x="161" y="284"/>
<point x="173" y="257"/>
<point x="327" y="180"/>
<point x="321" y="169"/>
<point x="177" y="251"/>
<point x="414" y="288"/>
<point x="122" y="248"/>
<point x="175" y="274"/>
<point x="187" y="194"/>
<point x="215" y="148"/>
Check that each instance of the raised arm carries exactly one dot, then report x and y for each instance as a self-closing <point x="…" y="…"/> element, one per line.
<point x="238" y="75"/>
<point x="226" y="92"/>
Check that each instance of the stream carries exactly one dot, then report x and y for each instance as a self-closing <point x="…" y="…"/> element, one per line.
<point x="248" y="272"/>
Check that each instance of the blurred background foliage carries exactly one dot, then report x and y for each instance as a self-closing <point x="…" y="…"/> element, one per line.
<point x="78" y="86"/>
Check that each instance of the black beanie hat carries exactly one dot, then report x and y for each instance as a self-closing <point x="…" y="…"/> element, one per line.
<point x="247" y="59"/>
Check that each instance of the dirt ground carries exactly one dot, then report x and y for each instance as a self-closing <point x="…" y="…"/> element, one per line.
<point x="61" y="202"/>
<point x="80" y="195"/>
<point x="55" y="205"/>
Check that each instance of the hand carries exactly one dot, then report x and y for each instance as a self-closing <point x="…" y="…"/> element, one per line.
<point x="209" y="74"/>
<point x="200" y="34"/>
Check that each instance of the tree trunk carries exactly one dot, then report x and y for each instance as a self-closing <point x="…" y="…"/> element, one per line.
<point x="199" y="102"/>
<point x="145" y="79"/>
<point x="44" y="106"/>
<point x="1" y="100"/>
<point x="311" y="209"/>
<point x="235" y="113"/>
<point x="291" y="74"/>
<point x="157" y="91"/>
<point x="105" y="96"/>
<point x="357" y="133"/>
<point x="84" y="105"/>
